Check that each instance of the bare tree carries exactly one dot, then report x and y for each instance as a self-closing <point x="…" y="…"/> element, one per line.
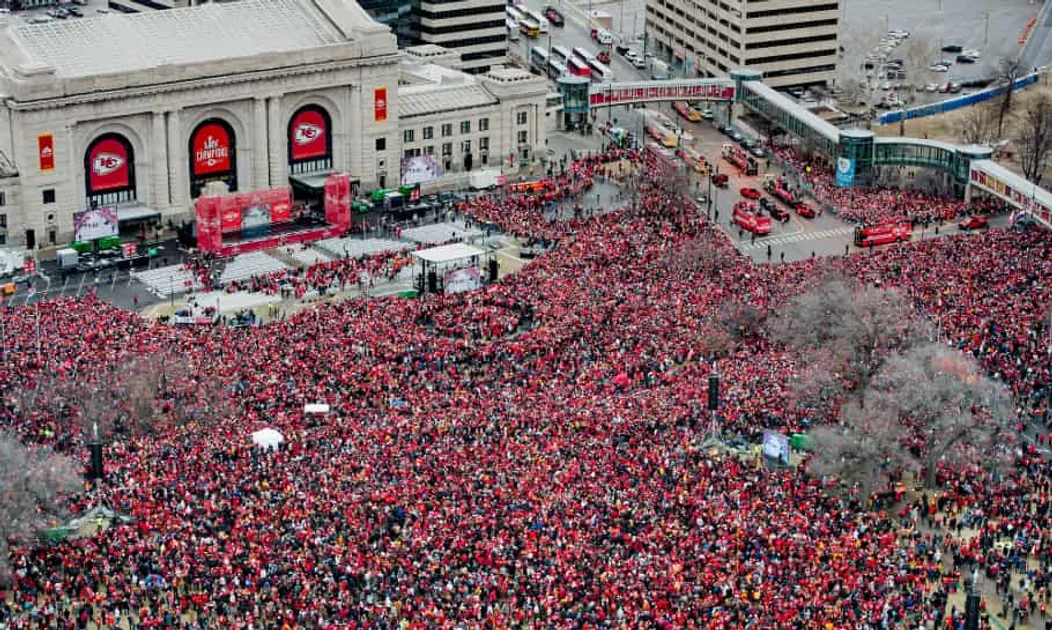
<point x="855" y="45"/>
<point x="979" y="123"/>
<point x="742" y="320"/>
<point x="1009" y="70"/>
<point x="694" y="256"/>
<point x="33" y="486"/>
<point x="845" y="332"/>
<point x="1035" y="140"/>
<point x="140" y="395"/>
<point x="917" y="55"/>
<point x="863" y="451"/>
<point x="953" y="410"/>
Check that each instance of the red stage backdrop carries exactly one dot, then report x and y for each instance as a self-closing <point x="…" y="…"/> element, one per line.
<point x="212" y="149"/>
<point x="309" y="137"/>
<point x="338" y="200"/>
<point x="230" y="213"/>
<point x="209" y="236"/>
<point x="110" y="166"/>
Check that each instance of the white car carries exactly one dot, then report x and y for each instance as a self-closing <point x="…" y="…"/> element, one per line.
<point x="938" y="67"/>
<point x="604" y="37"/>
<point x="931" y="87"/>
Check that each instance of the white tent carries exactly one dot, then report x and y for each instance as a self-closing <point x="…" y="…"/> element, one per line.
<point x="268" y="438"/>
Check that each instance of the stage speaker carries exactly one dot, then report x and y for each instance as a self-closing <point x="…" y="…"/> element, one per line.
<point x="432" y="282"/>
<point x="714" y="392"/>
<point x="971" y="612"/>
<point x="493" y="267"/>
<point x="95" y="451"/>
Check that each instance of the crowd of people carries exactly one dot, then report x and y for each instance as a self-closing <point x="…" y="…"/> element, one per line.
<point x="531" y="454"/>
<point x="873" y="205"/>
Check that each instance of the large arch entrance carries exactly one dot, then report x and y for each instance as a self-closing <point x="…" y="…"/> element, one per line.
<point x="213" y="155"/>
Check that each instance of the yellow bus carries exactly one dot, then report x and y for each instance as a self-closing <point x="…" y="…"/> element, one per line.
<point x="529" y="28"/>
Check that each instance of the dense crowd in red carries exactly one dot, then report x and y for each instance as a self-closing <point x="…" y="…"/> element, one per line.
<point x="872" y="205"/>
<point x="526" y="455"/>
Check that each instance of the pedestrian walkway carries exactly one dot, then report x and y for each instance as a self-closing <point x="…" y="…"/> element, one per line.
<point x="801" y="237"/>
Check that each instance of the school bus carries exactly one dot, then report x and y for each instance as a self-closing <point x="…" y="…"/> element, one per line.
<point x="529" y="28"/>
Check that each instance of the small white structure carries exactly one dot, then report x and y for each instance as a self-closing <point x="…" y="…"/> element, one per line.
<point x="268" y="439"/>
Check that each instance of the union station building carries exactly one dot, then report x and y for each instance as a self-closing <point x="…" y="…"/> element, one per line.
<point x="142" y="111"/>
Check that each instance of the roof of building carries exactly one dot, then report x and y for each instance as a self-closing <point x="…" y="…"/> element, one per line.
<point x="448" y="253"/>
<point x="421" y="100"/>
<point x="113" y="43"/>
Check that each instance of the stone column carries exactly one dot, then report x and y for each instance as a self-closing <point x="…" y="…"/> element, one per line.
<point x="260" y="158"/>
<point x="356" y="144"/>
<point x="178" y="175"/>
<point x="276" y="141"/>
<point x="161" y="197"/>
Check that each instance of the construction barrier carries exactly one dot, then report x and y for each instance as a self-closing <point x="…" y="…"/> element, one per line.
<point x="956" y="102"/>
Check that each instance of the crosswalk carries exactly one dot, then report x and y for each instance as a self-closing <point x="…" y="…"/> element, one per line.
<point x="801" y="237"/>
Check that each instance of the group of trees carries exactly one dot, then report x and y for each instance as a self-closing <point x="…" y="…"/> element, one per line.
<point x="142" y="395"/>
<point x="902" y="401"/>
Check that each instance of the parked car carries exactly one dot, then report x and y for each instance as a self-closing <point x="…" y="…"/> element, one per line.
<point x="778" y="213"/>
<point x="750" y="193"/>
<point x="707" y="114"/>
<point x="554" y="17"/>
<point x="603" y="57"/>
<point x="622" y="50"/>
<point x="966" y="59"/>
<point x="757" y="151"/>
<point x="974" y="223"/>
<point x="805" y="210"/>
<point x="953" y="48"/>
<point x="719" y="180"/>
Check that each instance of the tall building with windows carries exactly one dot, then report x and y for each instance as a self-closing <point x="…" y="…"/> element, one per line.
<point x="474" y="28"/>
<point x="793" y="42"/>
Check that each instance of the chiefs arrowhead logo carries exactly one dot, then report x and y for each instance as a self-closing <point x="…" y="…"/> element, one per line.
<point x="106" y="163"/>
<point x="47" y="152"/>
<point x="305" y="133"/>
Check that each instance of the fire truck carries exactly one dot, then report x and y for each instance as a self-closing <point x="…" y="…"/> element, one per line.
<point x="750" y="218"/>
<point x="739" y="158"/>
<point x="779" y="189"/>
<point x="867" y="236"/>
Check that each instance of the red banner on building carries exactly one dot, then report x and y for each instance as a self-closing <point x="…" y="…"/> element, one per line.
<point x="309" y="135"/>
<point x="213" y="149"/>
<point x="380" y="104"/>
<point x="46" y="150"/>
<point x="110" y="165"/>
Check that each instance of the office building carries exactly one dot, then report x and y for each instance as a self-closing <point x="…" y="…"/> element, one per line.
<point x="474" y="28"/>
<point x="793" y="42"/>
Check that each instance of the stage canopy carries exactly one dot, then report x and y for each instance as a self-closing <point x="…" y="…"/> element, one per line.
<point x="448" y="253"/>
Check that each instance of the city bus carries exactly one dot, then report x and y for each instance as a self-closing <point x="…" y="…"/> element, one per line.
<point x="529" y="28"/>
<point x="556" y="68"/>
<point x="562" y="53"/>
<point x="532" y="14"/>
<point x="515" y="14"/>
<point x="578" y="68"/>
<point x="539" y="58"/>
<point x="600" y="71"/>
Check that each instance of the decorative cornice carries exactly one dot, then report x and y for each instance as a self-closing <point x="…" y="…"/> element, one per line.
<point x="197" y="84"/>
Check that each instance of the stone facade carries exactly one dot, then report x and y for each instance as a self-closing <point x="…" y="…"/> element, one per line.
<point x="154" y="114"/>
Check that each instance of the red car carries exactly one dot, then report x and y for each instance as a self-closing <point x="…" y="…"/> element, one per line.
<point x="974" y="223"/>
<point x="603" y="56"/>
<point x="719" y="180"/>
<point x="750" y="193"/>
<point x="805" y="211"/>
